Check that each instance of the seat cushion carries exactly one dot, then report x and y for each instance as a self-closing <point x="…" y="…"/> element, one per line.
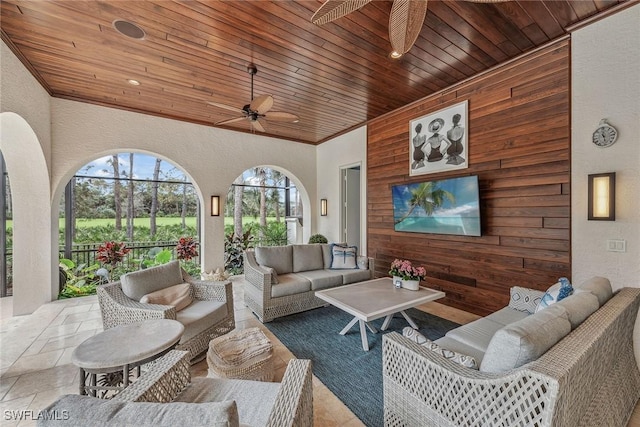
<point x="280" y="258"/>
<point x="599" y="286"/>
<point x="290" y="284"/>
<point x="307" y="257"/>
<point x="80" y="411"/>
<point x="322" y="279"/>
<point x="254" y="399"/>
<point x="526" y="340"/>
<point x="507" y="315"/>
<point x="200" y="316"/>
<point x="476" y="334"/>
<point x="457" y="346"/>
<point x="353" y="276"/>
<point x="137" y="284"/>
<point x="178" y="296"/>
<point x="455" y="356"/>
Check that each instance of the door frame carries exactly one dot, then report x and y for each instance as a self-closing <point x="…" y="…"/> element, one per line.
<point x="342" y="222"/>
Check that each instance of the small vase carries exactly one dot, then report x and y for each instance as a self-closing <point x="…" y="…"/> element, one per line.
<point x="397" y="281"/>
<point x="412" y="285"/>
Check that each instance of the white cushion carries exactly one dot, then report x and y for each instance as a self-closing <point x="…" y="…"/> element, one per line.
<point x="507" y="315"/>
<point x="476" y="334"/>
<point x="290" y="284"/>
<point x="307" y="257"/>
<point x="526" y="340"/>
<point x="280" y="258"/>
<point x="579" y="306"/>
<point x="344" y="257"/>
<point x="525" y="299"/>
<point x="200" y="316"/>
<point x="599" y="286"/>
<point x="90" y="411"/>
<point x="139" y="283"/>
<point x="178" y="296"/>
<point x="555" y="293"/>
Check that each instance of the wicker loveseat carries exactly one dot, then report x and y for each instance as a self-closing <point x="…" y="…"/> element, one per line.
<point x="282" y="280"/>
<point x="209" y="315"/>
<point x="166" y="396"/>
<point x="588" y="378"/>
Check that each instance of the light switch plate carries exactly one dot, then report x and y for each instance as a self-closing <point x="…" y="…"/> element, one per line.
<point x="616" y="245"/>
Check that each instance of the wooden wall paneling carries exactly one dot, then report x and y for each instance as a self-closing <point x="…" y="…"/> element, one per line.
<point x="519" y="146"/>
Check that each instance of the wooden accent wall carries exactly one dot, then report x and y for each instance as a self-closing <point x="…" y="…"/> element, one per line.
<point x="519" y="146"/>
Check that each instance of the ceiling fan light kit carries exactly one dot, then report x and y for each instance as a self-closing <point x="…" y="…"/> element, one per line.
<point x="258" y="109"/>
<point x="405" y="21"/>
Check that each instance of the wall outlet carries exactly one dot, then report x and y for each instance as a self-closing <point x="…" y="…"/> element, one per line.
<point x="616" y="245"/>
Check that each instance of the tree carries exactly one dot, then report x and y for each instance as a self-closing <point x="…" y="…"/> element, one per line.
<point x="130" y="204"/>
<point x="428" y="196"/>
<point x="274" y="197"/>
<point x="238" y="191"/>
<point x="261" y="173"/>
<point x="154" y="199"/>
<point x="115" y="163"/>
<point x="183" y="212"/>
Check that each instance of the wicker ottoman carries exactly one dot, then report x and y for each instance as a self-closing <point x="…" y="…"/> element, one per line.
<point x="245" y="354"/>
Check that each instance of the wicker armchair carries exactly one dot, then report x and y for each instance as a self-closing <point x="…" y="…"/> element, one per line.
<point x="118" y="309"/>
<point x="168" y="380"/>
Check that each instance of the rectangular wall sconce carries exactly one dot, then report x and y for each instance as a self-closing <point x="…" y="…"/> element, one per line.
<point x="323" y="207"/>
<point x="602" y="197"/>
<point x="215" y="205"/>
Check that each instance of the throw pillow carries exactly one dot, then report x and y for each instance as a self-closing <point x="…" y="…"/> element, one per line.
<point x="454" y="356"/>
<point x="178" y="296"/>
<point x="555" y="293"/>
<point x="525" y="299"/>
<point x="344" y="257"/>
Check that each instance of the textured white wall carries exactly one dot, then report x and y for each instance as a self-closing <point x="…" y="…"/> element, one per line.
<point x="605" y="68"/>
<point x="345" y="150"/>
<point x="25" y="142"/>
<point x="211" y="157"/>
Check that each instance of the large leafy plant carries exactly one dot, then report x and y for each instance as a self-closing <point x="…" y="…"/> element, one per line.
<point x="234" y="248"/>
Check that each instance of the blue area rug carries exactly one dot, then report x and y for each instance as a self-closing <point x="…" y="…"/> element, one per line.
<point x="352" y="374"/>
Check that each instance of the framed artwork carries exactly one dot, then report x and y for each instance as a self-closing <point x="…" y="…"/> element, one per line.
<point x="438" y="141"/>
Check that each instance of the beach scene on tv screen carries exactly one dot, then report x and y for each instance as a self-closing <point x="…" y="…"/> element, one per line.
<point x="448" y="206"/>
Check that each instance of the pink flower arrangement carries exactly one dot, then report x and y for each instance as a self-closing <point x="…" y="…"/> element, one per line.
<point x="404" y="269"/>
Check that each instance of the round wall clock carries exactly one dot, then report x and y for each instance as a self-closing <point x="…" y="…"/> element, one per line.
<point x="605" y="135"/>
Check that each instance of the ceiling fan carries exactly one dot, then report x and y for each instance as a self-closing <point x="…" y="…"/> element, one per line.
<point x="257" y="109"/>
<point x="405" y="20"/>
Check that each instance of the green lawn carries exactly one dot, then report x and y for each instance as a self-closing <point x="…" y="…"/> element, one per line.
<point x="144" y="222"/>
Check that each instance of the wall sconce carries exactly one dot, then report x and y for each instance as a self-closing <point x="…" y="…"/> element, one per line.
<point x="323" y="207"/>
<point x="215" y="205"/>
<point x="602" y="197"/>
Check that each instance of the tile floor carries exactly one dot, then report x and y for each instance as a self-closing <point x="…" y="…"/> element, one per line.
<point x="35" y="356"/>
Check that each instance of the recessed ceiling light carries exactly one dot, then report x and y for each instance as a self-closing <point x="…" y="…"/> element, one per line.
<point x="395" y="55"/>
<point x="128" y="29"/>
<point x="133" y="82"/>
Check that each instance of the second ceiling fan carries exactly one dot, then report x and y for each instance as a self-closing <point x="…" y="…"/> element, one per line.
<point x="405" y="21"/>
<point x="258" y="109"/>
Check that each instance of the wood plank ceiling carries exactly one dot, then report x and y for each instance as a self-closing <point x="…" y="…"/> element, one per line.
<point x="334" y="77"/>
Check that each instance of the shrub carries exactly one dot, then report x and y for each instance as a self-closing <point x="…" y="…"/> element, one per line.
<point x="318" y="238"/>
<point x="234" y="247"/>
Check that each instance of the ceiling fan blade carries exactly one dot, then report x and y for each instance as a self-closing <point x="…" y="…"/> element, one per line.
<point x="226" y="107"/>
<point x="405" y="23"/>
<point x="257" y="126"/>
<point x="280" y="116"/>
<point x="226" y="122"/>
<point x="334" y="9"/>
<point x="261" y="104"/>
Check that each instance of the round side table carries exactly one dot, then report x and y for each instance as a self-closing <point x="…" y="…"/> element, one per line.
<point x="121" y="349"/>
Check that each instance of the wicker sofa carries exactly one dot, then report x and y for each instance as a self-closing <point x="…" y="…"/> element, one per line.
<point x="209" y="315"/>
<point x="282" y="280"/>
<point x="589" y="378"/>
<point x="165" y="395"/>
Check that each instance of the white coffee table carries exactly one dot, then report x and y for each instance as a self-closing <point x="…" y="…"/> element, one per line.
<point x="122" y="348"/>
<point x="373" y="299"/>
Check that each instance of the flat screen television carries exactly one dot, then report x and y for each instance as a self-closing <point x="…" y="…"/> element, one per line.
<point x="444" y="206"/>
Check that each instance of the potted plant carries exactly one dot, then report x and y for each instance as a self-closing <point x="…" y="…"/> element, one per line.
<point x="410" y="275"/>
<point x="318" y="238"/>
